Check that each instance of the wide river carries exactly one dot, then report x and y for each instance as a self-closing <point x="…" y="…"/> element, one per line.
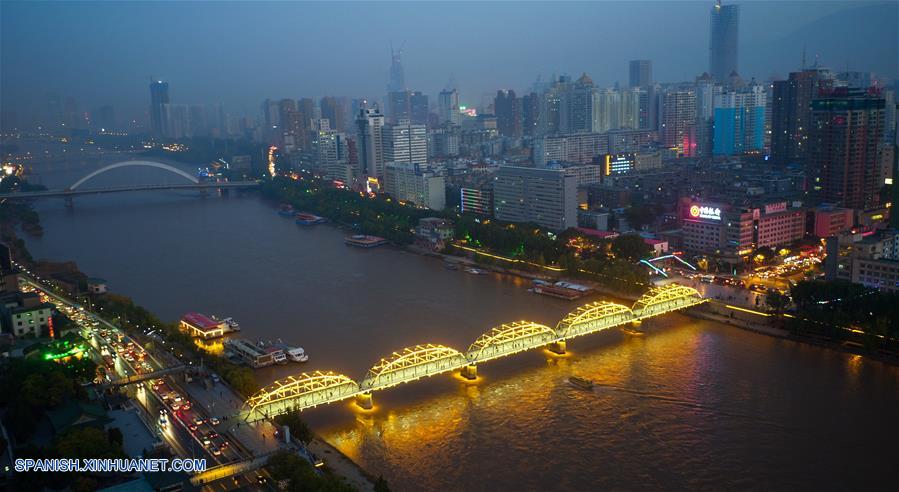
<point x="690" y="405"/>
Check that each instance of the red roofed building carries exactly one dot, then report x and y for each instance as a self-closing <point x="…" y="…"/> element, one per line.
<point x="201" y="326"/>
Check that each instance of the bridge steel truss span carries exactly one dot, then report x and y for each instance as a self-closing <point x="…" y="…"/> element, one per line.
<point x="412" y="363"/>
<point x="508" y="339"/>
<point x="661" y="300"/>
<point x="300" y="392"/>
<point x="593" y="317"/>
<point x="420" y="361"/>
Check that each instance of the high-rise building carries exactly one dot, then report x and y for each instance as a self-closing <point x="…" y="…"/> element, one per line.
<point x="842" y="166"/>
<point x="740" y="121"/>
<point x="103" y="118"/>
<point x="159" y="96"/>
<point x="677" y="119"/>
<point x="724" y="29"/>
<point x="552" y="107"/>
<point x="331" y="151"/>
<point x="706" y="91"/>
<point x="546" y="197"/>
<point x="399" y="106"/>
<point x="631" y="109"/>
<point x="405" y="142"/>
<point x="791" y="113"/>
<point x="577" y="106"/>
<point x="583" y="148"/>
<point x="397" y="73"/>
<point x="640" y="73"/>
<point x="334" y="109"/>
<point x="406" y="181"/>
<point x="418" y="108"/>
<point x="530" y="114"/>
<point x="448" y="107"/>
<point x="606" y="110"/>
<point x="307" y="111"/>
<point x="370" y="142"/>
<point x="508" y="113"/>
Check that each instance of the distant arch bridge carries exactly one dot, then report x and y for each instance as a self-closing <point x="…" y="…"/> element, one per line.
<point x="193" y="183"/>
<point x="421" y="361"/>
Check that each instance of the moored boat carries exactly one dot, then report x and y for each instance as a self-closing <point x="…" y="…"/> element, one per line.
<point x="363" y="241"/>
<point x="582" y="383"/>
<point x="305" y="218"/>
<point x="285" y="210"/>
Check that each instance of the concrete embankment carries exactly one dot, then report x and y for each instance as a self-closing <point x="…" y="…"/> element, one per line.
<point x="342" y="465"/>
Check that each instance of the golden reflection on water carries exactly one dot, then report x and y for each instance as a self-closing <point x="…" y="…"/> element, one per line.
<point x="675" y="397"/>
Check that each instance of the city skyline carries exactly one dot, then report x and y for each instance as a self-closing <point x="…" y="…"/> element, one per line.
<point x="200" y="75"/>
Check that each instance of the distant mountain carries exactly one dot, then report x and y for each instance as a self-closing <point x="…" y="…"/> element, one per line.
<point x="862" y="39"/>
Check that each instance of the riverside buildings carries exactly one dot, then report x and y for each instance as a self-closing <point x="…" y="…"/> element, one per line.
<point x="843" y="164"/>
<point x="546" y="197"/>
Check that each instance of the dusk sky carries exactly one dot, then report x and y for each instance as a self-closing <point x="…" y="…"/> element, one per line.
<point x="239" y="53"/>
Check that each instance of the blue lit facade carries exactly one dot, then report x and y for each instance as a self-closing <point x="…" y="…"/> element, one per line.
<point x="739" y="122"/>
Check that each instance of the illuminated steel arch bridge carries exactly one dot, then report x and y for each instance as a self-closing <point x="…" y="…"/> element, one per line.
<point x="421" y="361"/>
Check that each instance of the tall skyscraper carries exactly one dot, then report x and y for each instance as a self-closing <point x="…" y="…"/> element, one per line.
<point x="335" y="111"/>
<point x="418" y="108"/>
<point x="405" y="142"/>
<point x="740" y="121"/>
<point x="677" y="119"/>
<point x="577" y="107"/>
<point x="302" y="124"/>
<point x="448" y="107"/>
<point x="369" y="142"/>
<point x="843" y="165"/>
<point x="397" y="73"/>
<point x="159" y="96"/>
<point x="508" y="113"/>
<point x="631" y="108"/>
<point x="552" y="102"/>
<point x="724" y="30"/>
<point x="706" y="91"/>
<point x="530" y="114"/>
<point x="399" y="106"/>
<point x="606" y="110"/>
<point x="791" y="113"/>
<point x="640" y="73"/>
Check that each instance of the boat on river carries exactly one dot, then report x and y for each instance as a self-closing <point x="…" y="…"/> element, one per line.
<point x="582" y="383"/>
<point x="286" y="210"/>
<point x="363" y="241"/>
<point x="295" y="354"/>
<point x="305" y="218"/>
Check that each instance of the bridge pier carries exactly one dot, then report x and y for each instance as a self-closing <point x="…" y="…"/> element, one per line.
<point x="469" y="372"/>
<point x="363" y="401"/>
<point x="70" y="203"/>
<point x="557" y="347"/>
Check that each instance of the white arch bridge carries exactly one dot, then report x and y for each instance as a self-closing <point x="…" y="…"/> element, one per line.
<point x="193" y="183"/>
<point x="305" y="390"/>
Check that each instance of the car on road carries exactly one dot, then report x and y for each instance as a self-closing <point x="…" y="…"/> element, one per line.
<point x="261" y="480"/>
<point x="215" y="378"/>
<point x="214" y="421"/>
<point x="216" y="451"/>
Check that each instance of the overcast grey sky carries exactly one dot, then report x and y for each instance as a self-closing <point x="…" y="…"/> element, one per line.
<point x="239" y="53"/>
